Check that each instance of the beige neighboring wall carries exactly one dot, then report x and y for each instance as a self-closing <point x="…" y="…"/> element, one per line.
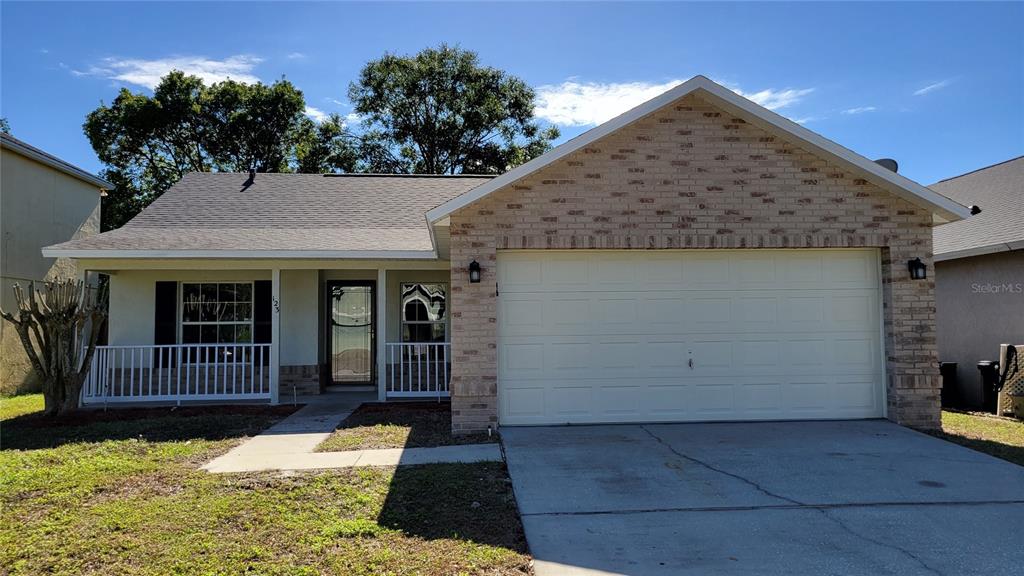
<point x="39" y="206"/>
<point x="980" y="302"/>
<point x="694" y="176"/>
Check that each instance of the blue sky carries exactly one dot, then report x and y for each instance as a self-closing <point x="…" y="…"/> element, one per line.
<point x="939" y="87"/>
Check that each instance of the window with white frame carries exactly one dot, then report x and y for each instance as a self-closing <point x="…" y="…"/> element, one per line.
<point x="424" y="312"/>
<point x="216" y="312"/>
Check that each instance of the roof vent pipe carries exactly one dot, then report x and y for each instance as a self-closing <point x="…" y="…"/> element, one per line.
<point x="888" y="164"/>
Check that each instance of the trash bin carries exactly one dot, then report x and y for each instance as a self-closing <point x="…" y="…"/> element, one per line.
<point x="989" y="378"/>
<point x="950" y="387"/>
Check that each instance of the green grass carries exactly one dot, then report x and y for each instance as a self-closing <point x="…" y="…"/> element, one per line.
<point x="118" y="492"/>
<point x="399" y="425"/>
<point x="12" y="406"/>
<point x="1000" y="437"/>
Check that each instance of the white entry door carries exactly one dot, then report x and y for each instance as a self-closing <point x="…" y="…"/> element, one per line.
<point x="698" y="335"/>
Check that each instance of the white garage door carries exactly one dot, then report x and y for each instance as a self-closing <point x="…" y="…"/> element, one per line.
<point x="615" y="336"/>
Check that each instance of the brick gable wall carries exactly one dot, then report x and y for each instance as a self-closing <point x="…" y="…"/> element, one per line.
<point x="692" y="176"/>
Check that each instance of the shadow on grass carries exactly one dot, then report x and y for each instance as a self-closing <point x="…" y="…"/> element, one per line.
<point x="35" y="431"/>
<point x="400" y="425"/>
<point x="471" y="502"/>
<point x="1007" y="452"/>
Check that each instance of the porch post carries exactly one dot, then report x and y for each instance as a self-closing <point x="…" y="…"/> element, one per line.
<point x="275" y="335"/>
<point x="382" y="334"/>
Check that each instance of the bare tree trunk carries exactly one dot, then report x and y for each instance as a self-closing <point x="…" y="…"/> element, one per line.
<point x="59" y="328"/>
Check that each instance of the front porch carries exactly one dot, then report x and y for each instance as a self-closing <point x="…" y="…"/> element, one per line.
<point x="221" y="332"/>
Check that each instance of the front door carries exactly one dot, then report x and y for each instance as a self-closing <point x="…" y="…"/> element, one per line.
<point x="351" y="340"/>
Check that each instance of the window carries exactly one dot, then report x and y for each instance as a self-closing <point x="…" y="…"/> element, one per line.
<point x="424" y="313"/>
<point x="216" y="313"/>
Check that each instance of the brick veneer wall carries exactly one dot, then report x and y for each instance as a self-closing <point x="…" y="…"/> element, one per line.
<point x="691" y="175"/>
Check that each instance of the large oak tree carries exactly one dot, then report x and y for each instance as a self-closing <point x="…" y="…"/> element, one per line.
<point x="149" y="142"/>
<point x="442" y="112"/>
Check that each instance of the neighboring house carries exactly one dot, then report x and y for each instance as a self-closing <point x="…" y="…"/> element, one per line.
<point x="696" y="258"/>
<point x="979" y="271"/>
<point x="43" y="200"/>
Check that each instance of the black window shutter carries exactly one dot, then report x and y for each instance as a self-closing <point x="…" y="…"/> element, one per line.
<point x="261" y="313"/>
<point x="166" y="315"/>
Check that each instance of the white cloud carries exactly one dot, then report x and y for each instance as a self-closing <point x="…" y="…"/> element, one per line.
<point x="806" y="119"/>
<point x="353" y="118"/>
<point x="316" y="114"/>
<point x="771" y="98"/>
<point x="147" y="73"/>
<point x="574" y="103"/>
<point x="295" y="56"/>
<point x="858" y="110"/>
<point x="933" y="87"/>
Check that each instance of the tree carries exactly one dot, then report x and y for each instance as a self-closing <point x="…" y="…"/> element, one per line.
<point x="59" y="329"/>
<point x="327" y="147"/>
<point x="5" y="126"/>
<point x="441" y="112"/>
<point x="149" y="142"/>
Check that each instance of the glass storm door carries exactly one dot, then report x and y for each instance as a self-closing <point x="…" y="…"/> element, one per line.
<point x="351" y="339"/>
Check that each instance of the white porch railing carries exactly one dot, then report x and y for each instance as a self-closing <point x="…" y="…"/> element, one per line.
<point x="178" y="372"/>
<point x="418" y="370"/>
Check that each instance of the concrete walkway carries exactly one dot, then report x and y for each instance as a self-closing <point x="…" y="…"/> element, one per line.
<point x="290" y="444"/>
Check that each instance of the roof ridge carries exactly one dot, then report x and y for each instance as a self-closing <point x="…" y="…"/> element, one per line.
<point x="347" y="174"/>
<point x="980" y="169"/>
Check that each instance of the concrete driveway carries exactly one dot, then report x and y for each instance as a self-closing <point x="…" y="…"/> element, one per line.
<point x="856" y="497"/>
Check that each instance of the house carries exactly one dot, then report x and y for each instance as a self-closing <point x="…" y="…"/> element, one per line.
<point x="43" y="200"/>
<point x="979" y="272"/>
<point x="696" y="258"/>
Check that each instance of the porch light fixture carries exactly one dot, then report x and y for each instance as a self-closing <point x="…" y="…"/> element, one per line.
<point x="474" y="272"/>
<point x="918" y="269"/>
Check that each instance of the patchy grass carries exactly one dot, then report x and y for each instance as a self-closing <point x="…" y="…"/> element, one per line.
<point x="13" y="406"/>
<point x="399" y="425"/>
<point x="118" y="493"/>
<point x="1000" y="437"/>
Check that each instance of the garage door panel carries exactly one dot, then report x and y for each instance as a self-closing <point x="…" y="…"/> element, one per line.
<point x="712" y="399"/>
<point x="608" y="336"/>
<point x="707" y="272"/>
<point x="760" y="399"/>
<point x="662" y="314"/>
<point x="570" y="402"/>
<point x="617" y="309"/>
<point x="619" y="356"/>
<point x="706" y="311"/>
<point x="618" y="401"/>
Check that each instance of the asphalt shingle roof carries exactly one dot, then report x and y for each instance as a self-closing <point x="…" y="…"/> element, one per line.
<point x="293" y="212"/>
<point x="999" y="191"/>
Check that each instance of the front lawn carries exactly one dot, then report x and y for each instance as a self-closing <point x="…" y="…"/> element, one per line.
<point x="399" y="425"/>
<point x="118" y="492"/>
<point x="1000" y="437"/>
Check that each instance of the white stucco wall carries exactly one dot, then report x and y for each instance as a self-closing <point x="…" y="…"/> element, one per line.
<point x="299" y="317"/>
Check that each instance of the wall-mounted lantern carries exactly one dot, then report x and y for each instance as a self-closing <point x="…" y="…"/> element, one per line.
<point x="474" y="272"/>
<point x="918" y="269"/>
